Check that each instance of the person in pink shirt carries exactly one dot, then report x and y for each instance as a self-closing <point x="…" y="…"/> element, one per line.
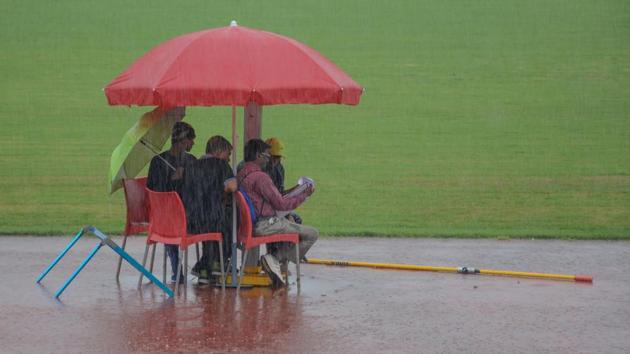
<point x="266" y="199"/>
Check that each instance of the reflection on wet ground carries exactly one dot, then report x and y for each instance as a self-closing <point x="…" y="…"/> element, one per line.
<point x="353" y="310"/>
<point x="209" y="318"/>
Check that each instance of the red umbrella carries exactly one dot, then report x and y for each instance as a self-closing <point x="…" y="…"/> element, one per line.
<point x="232" y="66"/>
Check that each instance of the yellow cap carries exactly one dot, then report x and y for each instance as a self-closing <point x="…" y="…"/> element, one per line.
<point x="277" y="147"/>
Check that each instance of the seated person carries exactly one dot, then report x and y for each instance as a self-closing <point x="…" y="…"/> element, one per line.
<point x="207" y="184"/>
<point x="266" y="200"/>
<point x="275" y="170"/>
<point x="166" y="173"/>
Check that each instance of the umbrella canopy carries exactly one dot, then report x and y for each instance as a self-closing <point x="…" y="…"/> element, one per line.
<point x="232" y="66"/>
<point x="138" y="146"/>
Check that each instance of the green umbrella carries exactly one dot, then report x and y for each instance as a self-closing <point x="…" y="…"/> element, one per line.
<point x="138" y="146"/>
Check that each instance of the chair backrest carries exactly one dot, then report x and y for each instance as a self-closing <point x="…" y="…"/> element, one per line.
<point x="167" y="215"/>
<point x="137" y="206"/>
<point x="245" y="219"/>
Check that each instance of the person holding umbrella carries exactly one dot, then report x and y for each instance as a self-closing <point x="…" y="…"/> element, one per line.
<point x="166" y="172"/>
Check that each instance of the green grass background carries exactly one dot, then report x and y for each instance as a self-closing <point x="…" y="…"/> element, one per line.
<point x="497" y="118"/>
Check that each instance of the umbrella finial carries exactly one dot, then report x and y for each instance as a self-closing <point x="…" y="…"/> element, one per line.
<point x="233" y="23"/>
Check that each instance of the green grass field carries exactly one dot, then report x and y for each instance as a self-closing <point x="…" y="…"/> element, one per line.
<point x="480" y="118"/>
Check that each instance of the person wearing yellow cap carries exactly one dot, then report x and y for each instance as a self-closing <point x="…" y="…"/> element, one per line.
<point x="275" y="170"/>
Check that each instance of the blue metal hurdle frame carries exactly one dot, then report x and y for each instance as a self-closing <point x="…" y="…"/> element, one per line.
<point x="104" y="240"/>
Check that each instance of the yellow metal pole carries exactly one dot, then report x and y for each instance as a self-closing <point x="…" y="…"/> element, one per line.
<point x="461" y="270"/>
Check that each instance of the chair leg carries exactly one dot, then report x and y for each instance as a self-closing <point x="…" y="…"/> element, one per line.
<point x="164" y="266"/>
<point x="241" y="275"/>
<point x="179" y="271"/>
<point x="228" y="265"/>
<point x="221" y="265"/>
<point x="286" y="275"/>
<point x="297" y="264"/>
<point x="152" y="259"/>
<point x="144" y="262"/>
<point x="120" y="259"/>
<point x="186" y="267"/>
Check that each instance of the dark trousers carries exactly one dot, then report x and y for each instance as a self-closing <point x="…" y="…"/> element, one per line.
<point x="171" y="251"/>
<point x="210" y="252"/>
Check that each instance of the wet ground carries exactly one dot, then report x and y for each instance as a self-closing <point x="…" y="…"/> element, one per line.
<point x="340" y="310"/>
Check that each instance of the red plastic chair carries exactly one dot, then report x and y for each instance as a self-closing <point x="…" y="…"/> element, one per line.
<point x="247" y="240"/>
<point x="168" y="226"/>
<point x="137" y="211"/>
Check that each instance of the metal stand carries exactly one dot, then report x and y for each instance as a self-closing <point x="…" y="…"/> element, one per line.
<point x="252" y="126"/>
<point x="104" y="240"/>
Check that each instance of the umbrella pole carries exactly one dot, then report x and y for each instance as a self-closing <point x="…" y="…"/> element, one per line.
<point x="234" y="258"/>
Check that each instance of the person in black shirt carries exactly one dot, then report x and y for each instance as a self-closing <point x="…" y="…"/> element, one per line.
<point x="207" y="184"/>
<point x="166" y="172"/>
